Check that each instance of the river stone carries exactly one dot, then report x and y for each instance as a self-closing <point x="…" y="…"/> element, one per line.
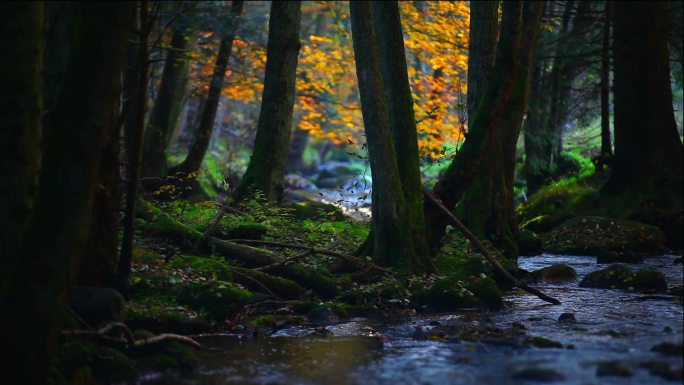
<point x="618" y="276"/>
<point x="538" y="375"/>
<point x="567" y="317"/>
<point x="669" y="348"/>
<point x="556" y="273"/>
<point x="97" y="305"/>
<point x="589" y="235"/>
<point x="613" y="369"/>
<point x="545" y="343"/>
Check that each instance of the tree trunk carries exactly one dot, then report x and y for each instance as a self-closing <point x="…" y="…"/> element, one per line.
<point x="136" y="79"/>
<point x="167" y="106"/>
<point x="193" y="161"/>
<point x="488" y="204"/>
<point x="644" y="119"/>
<point x="20" y="126"/>
<point x="484" y="31"/>
<point x="266" y="168"/>
<point x="33" y="301"/>
<point x="483" y="129"/>
<point x="398" y="235"/>
<point x="606" y="143"/>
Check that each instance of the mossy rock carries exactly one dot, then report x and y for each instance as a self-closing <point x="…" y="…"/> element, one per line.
<point x="78" y="359"/>
<point x="165" y="317"/>
<point x="556" y="273"/>
<point x="220" y="300"/>
<point x="165" y="355"/>
<point x="650" y="280"/>
<point x="544" y="343"/>
<point x="210" y="267"/>
<point x="545" y="223"/>
<point x="618" y="276"/>
<point x="593" y="235"/>
<point x="452" y="293"/>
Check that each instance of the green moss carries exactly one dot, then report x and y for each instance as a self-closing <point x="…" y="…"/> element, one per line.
<point x="265" y="321"/>
<point x="556" y="273"/>
<point x="308" y="210"/>
<point x="619" y="276"/>
<point x="487" y="292"/>
<point x="218" y="299"/>
<point x="210" y="267"/>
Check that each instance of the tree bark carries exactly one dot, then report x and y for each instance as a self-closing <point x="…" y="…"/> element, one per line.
<point x="20" y="127"/>
<point x="33" y="300"/>
<point x="397" y="234"/>
<point x="266" y="169"/>
<point x="196" y="152"/>
<point x="606" y="142"/>
<point x="484" y="31"/>
<point x="167" y="106"/>
<point x="648" y="150"/>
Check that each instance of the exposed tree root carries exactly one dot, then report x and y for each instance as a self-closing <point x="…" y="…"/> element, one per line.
<point x="128" y="337"/>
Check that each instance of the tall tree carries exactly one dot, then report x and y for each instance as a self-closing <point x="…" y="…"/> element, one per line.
<point x="20" y="128"/>
<point x="167" y="106"/>
<point x="266" y="168"/>
<point x="644" y="119"/>
<point x="484" y="31"/>
<point x="397" y="234"/>
<point x="196" y="152"/>
<point x="487" y="205"/>
<point x="606" y="142"/>
<point x="43" y="269"/>
<point x="496" y="106"/>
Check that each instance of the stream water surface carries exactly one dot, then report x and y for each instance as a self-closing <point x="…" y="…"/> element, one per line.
<point x="610" y="325"/>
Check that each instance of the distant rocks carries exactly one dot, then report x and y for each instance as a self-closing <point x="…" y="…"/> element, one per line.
<point x="618" y="276"/>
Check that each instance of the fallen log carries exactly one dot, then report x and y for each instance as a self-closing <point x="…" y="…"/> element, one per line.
<point x="192" y="240"/>
<point x="483" y="250"/>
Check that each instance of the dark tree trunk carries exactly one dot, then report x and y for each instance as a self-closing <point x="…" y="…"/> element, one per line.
<point x="484" y="31"/>
<point x="489" y="116"/>
<point x="59" y="30"/>
<point x="193" y="161"/>
<point x="166" y="107"/>
<point x="33" y="301"/>
<point x="397" y="234"/>
<point x="20" y="126"/>
<point x="488" y="204"/>
<point x="606" y="143"/>
<point x="648" y="150"/>
<point x="267" y="165"/>
<point x="135" y="80"/>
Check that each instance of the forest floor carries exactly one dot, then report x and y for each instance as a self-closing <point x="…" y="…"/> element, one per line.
<point x="264" y="268"/>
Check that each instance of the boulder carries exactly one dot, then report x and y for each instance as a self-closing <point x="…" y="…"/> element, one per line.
<point x="556" y="273"/>
<point x="97" y="305"/>
<point x="609" y="237"/>
<point x="618" y="276"/>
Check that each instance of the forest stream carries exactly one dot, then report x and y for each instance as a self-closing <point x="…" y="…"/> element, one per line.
<point x="613" y="334"/>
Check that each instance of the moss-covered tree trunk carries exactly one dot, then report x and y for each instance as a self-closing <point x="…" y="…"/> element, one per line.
<point x="167" y="105"/>
<point x="487" y="205"/>
<point x="197" y="150"/>
<point x="397" y="234"/>
<point x="648" y="150"/>
<point x="492" y="112"/>
<point x="267" y="165"/>
<point x="20" y="127"/>
<point x="33" y="301"/>
<point x="484" y="32"/>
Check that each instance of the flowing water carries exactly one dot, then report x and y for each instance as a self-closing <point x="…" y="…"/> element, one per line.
<point x="611" y="325"/>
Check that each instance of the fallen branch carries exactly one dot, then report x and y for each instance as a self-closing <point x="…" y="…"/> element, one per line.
<point x="483" y="250"/>
<point x="346" y="257"/>
<point x="129" y="338"/>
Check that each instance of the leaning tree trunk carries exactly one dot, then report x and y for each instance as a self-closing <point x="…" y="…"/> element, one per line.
<point x="167" y="107"/>
<point x="648" y="150"/>
<point x="488" y="117"/>
<point x="193" y="161"/>
<point x="34" y="299"/>
<point x="20" y="127"/>
<point x="397" y="232"/>
<point x="266" y="169"/>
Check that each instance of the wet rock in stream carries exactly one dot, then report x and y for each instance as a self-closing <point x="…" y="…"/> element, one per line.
<point x="618" y="276"/>
<point x="556" y="273"/>
<point x="538" y="375"/>
<point x="613" y="369"/>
